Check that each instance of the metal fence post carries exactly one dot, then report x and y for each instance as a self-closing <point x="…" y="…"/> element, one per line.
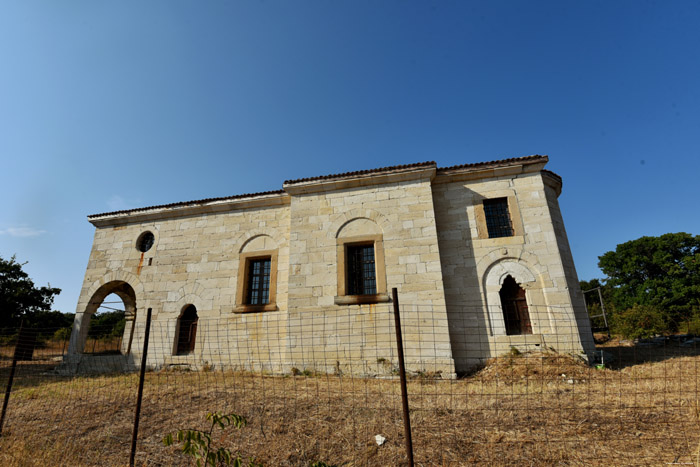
<point x="142" y="374"/>
<point x="8" y="389"/>
<point x="402" y="373"/>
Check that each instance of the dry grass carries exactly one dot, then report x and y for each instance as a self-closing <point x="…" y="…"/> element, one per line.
<point x="534" y="409"/>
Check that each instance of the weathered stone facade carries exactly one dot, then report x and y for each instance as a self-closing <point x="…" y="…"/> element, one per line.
<point x="428" y="228"/>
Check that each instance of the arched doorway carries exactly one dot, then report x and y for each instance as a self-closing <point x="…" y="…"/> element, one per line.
<point x="106" y="328"/>
<point x="515" y="310"/>
<point x="186" y="330"/>
<point x="120" y="291"/>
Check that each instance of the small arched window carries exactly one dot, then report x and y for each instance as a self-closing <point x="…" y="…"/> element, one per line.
<point x="515" y="311"/>
<point x="187" y="330"/>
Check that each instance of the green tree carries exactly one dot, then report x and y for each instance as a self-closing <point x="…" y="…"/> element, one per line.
<point x="661" y="272"/>
<point x="19" y="297"/>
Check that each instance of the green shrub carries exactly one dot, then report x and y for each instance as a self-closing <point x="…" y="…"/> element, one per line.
<point x="62" y="334"/>
<point x="694" y="324"/>
<point x="639" y="322"/>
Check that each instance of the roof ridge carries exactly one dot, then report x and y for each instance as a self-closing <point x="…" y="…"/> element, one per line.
<point x="532" y="158"/>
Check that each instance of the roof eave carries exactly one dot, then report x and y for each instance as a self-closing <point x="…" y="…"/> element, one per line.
<point x="181" y="210"/>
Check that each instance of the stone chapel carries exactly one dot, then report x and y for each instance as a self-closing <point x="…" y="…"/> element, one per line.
<point x="299" y="277"/>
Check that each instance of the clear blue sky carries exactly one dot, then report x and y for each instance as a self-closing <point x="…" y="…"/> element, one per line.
<point x="114" y="105"/>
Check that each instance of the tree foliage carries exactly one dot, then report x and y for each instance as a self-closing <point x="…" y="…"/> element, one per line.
<point x="21" y="300"/>
<point x="658" y="272"/>
<point x="107" y="324"/>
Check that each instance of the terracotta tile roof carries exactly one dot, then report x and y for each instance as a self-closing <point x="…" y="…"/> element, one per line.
<point x="188" y="203"/>
<point x="498" y="163"/>
<point x="392" y="168"/>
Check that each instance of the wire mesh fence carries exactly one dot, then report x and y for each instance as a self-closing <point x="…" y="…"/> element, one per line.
<point x="324" y="387"/>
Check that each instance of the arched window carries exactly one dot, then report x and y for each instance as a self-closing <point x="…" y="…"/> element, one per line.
<point x="257" y="276"/>
<point x="361" y="272"/>
<point x="187" y="330"/>
<point x="515" y="312"/>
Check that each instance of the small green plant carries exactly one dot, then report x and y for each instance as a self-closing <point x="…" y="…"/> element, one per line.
<point x="514" y="352"/>
<point x="305" y="372"/>
<point x="198" y="443"/>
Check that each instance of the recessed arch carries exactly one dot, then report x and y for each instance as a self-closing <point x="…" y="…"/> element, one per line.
<point x="344" y="217"/>
<point x="497" y="273"/>
<point x="358" y="226"/>
<point x="259" y="243"/>
<point x="244" y="238"/>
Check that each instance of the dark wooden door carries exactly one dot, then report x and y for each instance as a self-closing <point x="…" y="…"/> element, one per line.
<point x="188" y="331"/>
<point x="515" y="310"/>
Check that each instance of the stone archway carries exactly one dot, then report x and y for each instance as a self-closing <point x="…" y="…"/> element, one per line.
<point x="82" y="319"/>
<point x="493" y="283"/>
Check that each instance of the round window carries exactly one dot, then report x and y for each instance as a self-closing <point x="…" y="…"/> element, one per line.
<point x="145" y="241"/>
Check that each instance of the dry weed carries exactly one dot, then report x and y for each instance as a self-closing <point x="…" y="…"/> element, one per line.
<point x="533" y="409"/>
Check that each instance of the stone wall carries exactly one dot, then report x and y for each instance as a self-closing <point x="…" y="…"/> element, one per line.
<point x="194" y="261"/>
<point x="474" y="267"/>
<point x="400" y="212"/>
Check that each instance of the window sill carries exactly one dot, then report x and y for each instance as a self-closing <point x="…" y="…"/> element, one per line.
<point x="499" y="241"/>
<point x="255" y="308"/>
<point x="361" y="299"/>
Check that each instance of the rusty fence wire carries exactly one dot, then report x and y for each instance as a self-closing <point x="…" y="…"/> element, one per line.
<point x="323" y="387"/>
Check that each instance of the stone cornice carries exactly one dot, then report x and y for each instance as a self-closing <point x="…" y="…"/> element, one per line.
<point x="552" y="180"/>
